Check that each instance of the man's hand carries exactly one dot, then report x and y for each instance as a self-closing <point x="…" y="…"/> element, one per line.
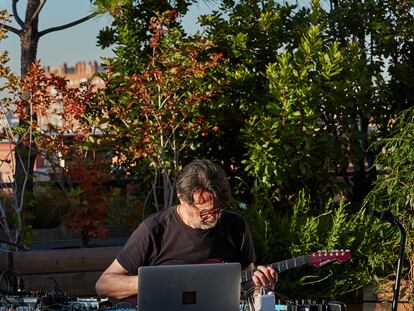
<point x="265" y="276"/>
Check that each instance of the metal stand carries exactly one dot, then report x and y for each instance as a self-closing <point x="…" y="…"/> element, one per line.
<point x="399" y="266"/>
<point x="388" y="216"/>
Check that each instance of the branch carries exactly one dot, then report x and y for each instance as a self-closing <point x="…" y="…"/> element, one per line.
<point x="12" y="29"/>
<point x="79" y="21"/>
<point x="37" y="12"/>
<point x="16" y="14"/>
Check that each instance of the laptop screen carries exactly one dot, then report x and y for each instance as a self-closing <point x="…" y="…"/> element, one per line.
<point x="199" y="287"/>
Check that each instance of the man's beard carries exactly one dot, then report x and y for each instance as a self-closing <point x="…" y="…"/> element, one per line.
<point x="199" y="224"/>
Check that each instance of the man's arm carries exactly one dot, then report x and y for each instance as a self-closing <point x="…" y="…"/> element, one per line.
<point x="116" y="283"/>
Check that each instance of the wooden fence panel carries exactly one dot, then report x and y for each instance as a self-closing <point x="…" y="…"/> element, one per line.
<point x="64" y="260"/>
<point x="74" y="270"/>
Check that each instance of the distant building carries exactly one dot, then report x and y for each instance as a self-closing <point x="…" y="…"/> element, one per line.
<point x="81" y="72"/>
<point x="6" y="163"/>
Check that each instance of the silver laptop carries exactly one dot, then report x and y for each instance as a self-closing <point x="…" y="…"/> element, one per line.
<point x="203" y="287"/>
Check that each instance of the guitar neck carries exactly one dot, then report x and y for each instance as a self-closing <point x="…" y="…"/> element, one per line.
<point x="280" y="266"/>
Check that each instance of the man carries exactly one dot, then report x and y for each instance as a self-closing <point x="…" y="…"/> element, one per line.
<point x="198" y="230"/>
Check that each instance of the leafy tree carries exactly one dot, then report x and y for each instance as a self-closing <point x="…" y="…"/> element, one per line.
<point x="249" y="34"/>
<point x="253" y="34"/>
<point x="382" y="30"/>
<point x="28" y="32"/>
<point x="89" y="195"/>
<point x="10" y="216"/>
<point x="300" y="128"/>
<point x="60" y="134"/>
<point x="128" y="34"/>
<point x="304" y="86"/>
<point x="284" y="50"/>
<point x="152" y="115"/>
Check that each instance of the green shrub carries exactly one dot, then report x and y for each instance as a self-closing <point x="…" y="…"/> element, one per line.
<point x="125" y="209"/>
<point x="51" y="206"/>
<point x="282" y="235"/>
<point x="394" y="188"/>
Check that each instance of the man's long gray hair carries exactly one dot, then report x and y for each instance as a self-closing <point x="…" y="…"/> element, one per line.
<point x="202" y="174"/>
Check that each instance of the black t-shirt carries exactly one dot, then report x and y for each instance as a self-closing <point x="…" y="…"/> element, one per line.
<point x="164" y="239"/>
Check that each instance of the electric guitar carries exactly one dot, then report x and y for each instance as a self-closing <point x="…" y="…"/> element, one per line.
<point x="317" y="259"/>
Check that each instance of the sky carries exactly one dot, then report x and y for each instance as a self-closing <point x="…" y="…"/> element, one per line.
<point x="79" y="42"/>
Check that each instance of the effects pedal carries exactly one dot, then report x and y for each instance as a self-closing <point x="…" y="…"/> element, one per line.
<point x="265" y="302"/>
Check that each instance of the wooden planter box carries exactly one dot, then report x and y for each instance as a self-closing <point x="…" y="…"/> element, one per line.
<point x="383" y="301"/>
<point x="75" y="270"/>
<point x="58" y="256"/>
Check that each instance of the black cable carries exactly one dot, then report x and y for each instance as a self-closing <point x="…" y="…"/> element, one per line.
<point x="123" y="305"/>
<point x="4" y="298"/>
<point x="5" y="281"/>
<point x="55" y="307"/>
<point x="48" y="279"/>
<point x="248" y="296"/>
<point x="54" y="298"/>
<point x="11" y="281"/>
<point x="281" y="296"/>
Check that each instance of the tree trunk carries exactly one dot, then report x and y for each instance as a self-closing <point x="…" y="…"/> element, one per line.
<point x="361" y="184"/>
<point x="29" y="37"/>
<point x="25" y="153"/>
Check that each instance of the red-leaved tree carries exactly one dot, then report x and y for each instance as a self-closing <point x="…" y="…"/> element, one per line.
<point x="153" y="114"/>
<point x="55" y="129"/>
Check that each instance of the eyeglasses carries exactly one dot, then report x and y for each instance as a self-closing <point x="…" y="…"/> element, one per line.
<point x="204" y="213"/>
